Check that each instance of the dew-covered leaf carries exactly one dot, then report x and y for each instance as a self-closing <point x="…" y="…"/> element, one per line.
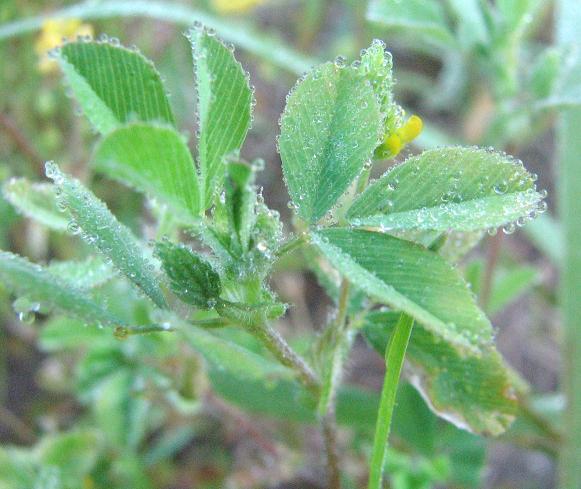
<point x="85" y="274"/>
<point x="191" y="277"/>
<point x="37" y="284"/>
<point x="234" y="359"/>
<point x="409" y="278"/>
<point x="241" y="202"/>
<point x="35" y="200"/>
<point x="329" y="129"/>
<point x="224" y="108"/>
<point x="475" y="392"/>
<point x="423" y="19"/>
<point x="114" y="85"/>
<point x="155" y="160"/>
<point x="463" y="189"/>
<point x="376" y="66"/>
<point x="99" y="227"/>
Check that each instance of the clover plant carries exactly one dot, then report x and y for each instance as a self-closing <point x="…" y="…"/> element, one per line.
<point x="385" y="249"/>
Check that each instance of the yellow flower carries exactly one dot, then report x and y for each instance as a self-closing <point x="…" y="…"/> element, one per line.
<point x="235" y="6"/>
<point x="51" y="36"/>
<point x="404" y="135"/>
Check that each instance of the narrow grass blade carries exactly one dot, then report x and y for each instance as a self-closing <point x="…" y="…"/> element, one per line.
<point x="474" y="392"/>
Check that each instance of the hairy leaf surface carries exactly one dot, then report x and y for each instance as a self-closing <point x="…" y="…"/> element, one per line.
<point x="411" y="279"/>
<point x="463" y="189"/>
<point x="99" y="227"/>
<point x="155" y="160"/>
<point x="329" y="129"/>
<point x="35" y="200"/>
<point x="37" y="284"/>
<point x="224" y="108"/>
<point x="114" y="85"/>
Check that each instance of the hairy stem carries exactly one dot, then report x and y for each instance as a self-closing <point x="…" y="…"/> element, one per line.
<point x="394" y="357"/>
<point x="330" y="436"/>
<point x="341" y="341"/>
<point x="277" y="345"/>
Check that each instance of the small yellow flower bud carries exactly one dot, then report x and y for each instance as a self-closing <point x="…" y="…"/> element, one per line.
<point x="396" y="141"/>
<point x="411" y="129"/>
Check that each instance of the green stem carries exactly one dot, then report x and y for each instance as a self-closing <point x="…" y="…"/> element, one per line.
<point x="330" y="436"/>
<point x="277" y="345"/>
<point x="291" y="245"/>
<point x="394" y="357"/>
<point x="337" y="336"/>
<point x="568" y="20"/>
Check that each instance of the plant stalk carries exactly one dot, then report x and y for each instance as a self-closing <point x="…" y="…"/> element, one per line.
<point x="330" y="436"/>
<point x="277" y="345"/>
<point x="394" y="358"/>
<point x="568" y="29"/>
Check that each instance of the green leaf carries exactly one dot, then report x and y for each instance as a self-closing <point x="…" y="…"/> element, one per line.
<point x="377" y="67"/>
<point x="474" y="392"/>
<point x="237" y="361"/>
<point x="471" y="29"/>
<point x="86" y="274"/>
<point x="411" y="279"/>
<point x="38" y="284"/>
<point x="287" y="400"/>
<point x="224" y="108"/>
<point x="423" y="19"/>
<point x="329" y="129"/>
<point x="121" y="410"/>
<point x="74" y="453"/>
<point x="35" y="200"/>
<point x="241" y="201"/>
<point x="63" y="333"/>
<point x="509" y="283"/>
<point x="155" y="160"/>
<point x="100" y="228"/>
<point x="191" y="277"/>
<point x="463" y="189"/>
<point x="114" y="85"/>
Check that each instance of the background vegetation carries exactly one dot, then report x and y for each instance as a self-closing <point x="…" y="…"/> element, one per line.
<point x="84" y="408"/>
